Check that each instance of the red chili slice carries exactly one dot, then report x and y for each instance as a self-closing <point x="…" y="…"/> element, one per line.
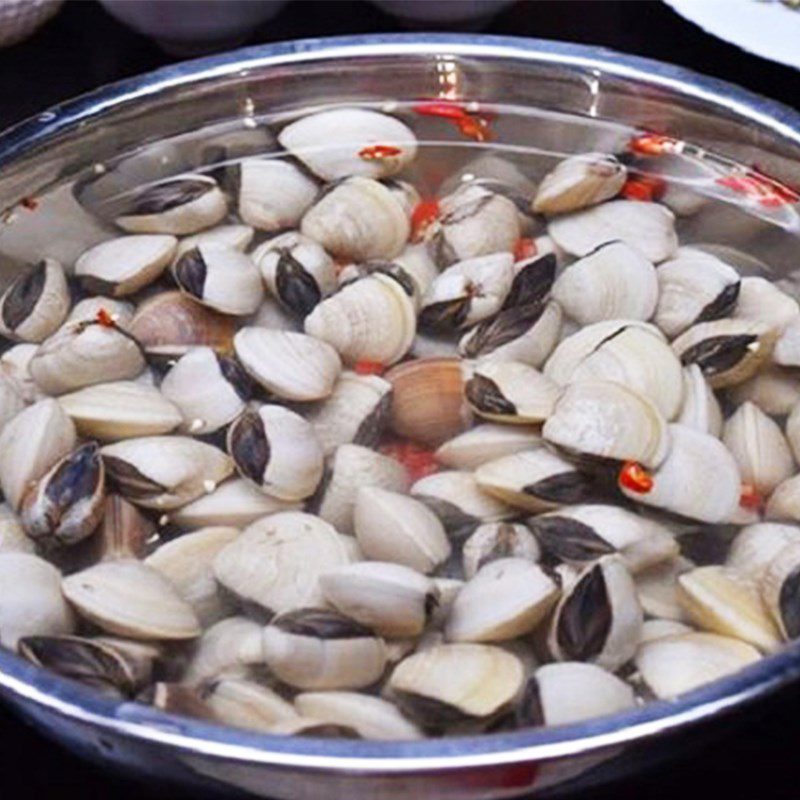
<point x="654" y="144"/>
<point x="524" y="248"/>
<point x="365" y="367"/>
<point x="644" y="187"/>
<point x="418" y="461"/>
<point x="105" y="319"/>
<point x="375" y="152"/>
<point x="765" y="191"/>
<point x="472" y="124"/>
<point x="750" y="498"/>
<point x="635" y="477"/>
<point x="424" y="214"/>
<point x="31" y="203"/>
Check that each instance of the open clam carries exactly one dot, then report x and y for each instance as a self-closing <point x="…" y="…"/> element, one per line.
<point x="36" y="303"/>
<point x="579" y="181"/>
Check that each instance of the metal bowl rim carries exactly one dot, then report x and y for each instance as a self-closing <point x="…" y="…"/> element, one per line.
<point x="76" y="703"/>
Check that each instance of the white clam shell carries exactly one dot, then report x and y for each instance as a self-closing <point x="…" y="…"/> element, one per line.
<point x="30" y="444"/>
<point x="757" y="545"/>
<point x="458" y="499"/>
<point x="778" y="591"/>
<point x="358" y="219"/>
<point x="276" y="562"/>
<point x="418" y="264"/>
<point x="783" y="504"/>
<point x="397" y="528"/>
<point x="122" y="266"/>
<point x="32" y="601"/>
<point x="700" y="409"/>
<point x="486" y="442"/>
<point x="793" y="429"/>
<point x="86" y="310"/>
<point x="787" y="348"/>
<point x="612" y="282"/>
<point x="648" y="228"/>
<point x="653" y="629"/>
<point x="247" y="704"/>
<point x="335" y="144"/>
<point x="11" y="399"/>
<point x="608" y="420"/>
<point x="227" y="646"/>
<point x="12" y="536"/>
<point x="494" y="540"/>
<point x="372" y="319"/>
<point x="773" y="389"/>
<point x="759" y="447"/>
<point x="127" y="598"/>
<point x="657" y="588"/>
<point x="236" y="236"/>
<point x="292" y="366"/>
<point x="120" y="410"/>
<point x="763" y="301"/>
<point x="14" y="364"/>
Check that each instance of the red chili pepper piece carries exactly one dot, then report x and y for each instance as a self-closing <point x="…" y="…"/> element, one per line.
<point x="635" y="477"/>
<point x="31" y="203"/>
<point x="105" y="319"/>
<point x="447" y="109"/>
<point x="472" y="124"/>
<point x="654" y="144"/>
<point x="375" y="152"/>
<point x="425" y="213"/>
<point x="524" y="248"/>
<point x="365" y="367"/>
<point x="475" y="127"/>
<point x="418" y="461"/>
<point x="750" y="498"/>
<point x="765" y="191"/>
<point x="644" y="187"/>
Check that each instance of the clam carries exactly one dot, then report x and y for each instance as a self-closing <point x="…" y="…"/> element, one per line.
<point x="120" y="410"/>
<point x="228" y="647"/>
<point x="793" y="429"/>
<point x="11" y="401"/>
<point x="207" y="389"/>
<point x="673" y="665"/>
<point x="277" y="451"/>
<point x="85" y="353"/>
<point x="292" y="366"/>
<point x="318" y="649"/>
<point x="582" y="533"/>
<point x="355" y="412"/>
<point x="598" y="619"/>
<point x="694" y="287"/>
<point x="234" y="502"/>
<point x="537" y="480"/>
<point x="12" y="535"/>
<point x="497" y="540"/>
<point x="719" y="600"/>
<point x="271" y="314"/>
<point x="605" y="420"/>
<point x="221" y="278"/>
<point x="358" y="219"/>
<point x="124" y="531"/>
<point x="32" y="603"/>
<point x="170" y="323"/>
<point x="657" y="588"/>
<point x="773" y="389"/>
<point x="14" y="364"/>
<point x="297" y="271"/>
<point x="569" y="692"/>
<point x="352" y="467"/>
<point x="180" y="205"/>
<point x="579" y="181"/>
<point x="418" y="265"/>
<point x="700" y="409"/>
<point x="427" y="400"/>
<point x="756" y="546"/>
<point x="30" y="445"/>
<point x="65" y="505"/>
<point x="653" y="629"/>
<point x="759" y="447"/>
<point x="164" y="472"/>
<point x="276" y="562"/>
<point x="35" y="303"/>
<point x="123" y="266"/>
<point x="370" y="717"/>
<point x="648" y="228"/>
<point x="128" y="598"/>
<point x="272" y="193"/>
<point x="177" y="698"/>
<point x="236" y="236"/>
<point x="787" y="348"/>
<point x="390" y="599"/>
<point x="187" y="563"/>
<point x="342" y="142"/>
<point x="397" y="528"/>
<point x="728" y="351"/>
<point x="456" y="684"/>
<point x="246" y="704"/>
<point x="783" y="504"/>
<point x="780" y="591"/>
<point x="509" y="391"/>
<point x="614" y="281"/>
<point x="372" y="319"/>
<point x="119" y="311"/>
<point x="474" y="221"/>
<point x="467" y="292"/>
<point x="486" y="442"/>
<point x="699" y="479"/>
<point x="762" y="301"/>
<point x="505" y="598"/>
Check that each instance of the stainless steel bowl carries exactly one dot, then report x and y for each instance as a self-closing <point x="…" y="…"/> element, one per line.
<point x="60" y="144"/>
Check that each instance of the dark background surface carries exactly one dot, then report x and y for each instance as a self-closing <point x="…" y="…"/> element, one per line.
<point x="758" y="757"/>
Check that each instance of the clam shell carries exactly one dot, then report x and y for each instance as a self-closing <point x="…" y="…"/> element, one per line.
<point x="130" y="599"/>
<point x="35" y="303"/>
<point x="12" y="535"/>
<point x="648" y="228"/>
<point x="339" y="143"/>
<point x="236" y="236"/>
<point x="606" y="420"/>
<point x="11" y="401"/>
<point x="783" y="504"/>
<point x="612" y="282"/>
<point x="276" y="562"/>
<point x="700" y="409"/>
<point x="486" y="442"/>
<point x="14" y="364"/>
<point x="187" y="563"/>
<point x="793" y="429"/>
<point x="164" y="472"/>
<point x="86" y="310"/>
<point x="497" y="540"/>
<point x="227" y="647"/>
<point x="755" y="546"/>
<point x="32" y="601"/>
<point x="661" y="628"/>
<point x="787" y="348"/>
<point x="774" y="390"/>
<point x="30" y="444"/>
<point x="120" y="410"/>
<point x="418" y="265"/>
<point x="761" y="300"/>
<point x="245" y="704"/>
<point x="779" y="591"/>
<point x="292" y="366"/>
<point x="123" y="266"/>
<point x="124" y="531"/>
<point x="657" y="588"/>
<point x="400" y="529"/>
<point x="579" y="181"/>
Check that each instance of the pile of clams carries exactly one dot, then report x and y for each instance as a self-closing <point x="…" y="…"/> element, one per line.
<point x="301" y="451"/>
